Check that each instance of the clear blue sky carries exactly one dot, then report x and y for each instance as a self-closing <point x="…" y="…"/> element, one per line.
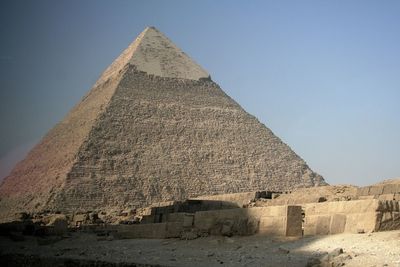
<point x="322" y="75"/>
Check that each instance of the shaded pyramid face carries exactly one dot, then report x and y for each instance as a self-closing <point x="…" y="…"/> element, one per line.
<point x="154" y="127"/>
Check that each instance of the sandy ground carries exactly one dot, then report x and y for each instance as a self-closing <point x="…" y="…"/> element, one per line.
<point x="375" y="249"/>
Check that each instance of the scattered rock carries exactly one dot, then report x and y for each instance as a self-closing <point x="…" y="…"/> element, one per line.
<point x="336" y="252"/>
<point x="313" y="262"/>
<point x="335" y="258"/>
<point x="189" y="235"/>
<point x="322" y="199"/>
<point x="341" y="260"/>
<point x="202" y="234"/>
<point x="23" y="216"/>
<point x="282" y="250"/>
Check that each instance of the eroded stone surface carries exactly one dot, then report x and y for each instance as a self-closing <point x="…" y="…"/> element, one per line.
<point x="142" y="136"/>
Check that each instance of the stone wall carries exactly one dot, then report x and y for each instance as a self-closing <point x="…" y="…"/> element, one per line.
<point x="269" y="221"/>
<point x="379" y="189"/>
<point x="387" y="191"/>
<point x="325" y="218"/>
<point x="277" y="220"/>
<point x="162" y="211"/>
<point x="153" y="230"/>
<point x="351" y="216"/>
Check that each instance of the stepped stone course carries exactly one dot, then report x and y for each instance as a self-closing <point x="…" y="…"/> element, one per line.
<point x="153" y="128"/>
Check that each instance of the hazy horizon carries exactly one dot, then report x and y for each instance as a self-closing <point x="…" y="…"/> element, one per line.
<point x="323" y="76"/>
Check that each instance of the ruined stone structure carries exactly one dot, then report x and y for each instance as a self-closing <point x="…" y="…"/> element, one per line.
<point x="357" y="216"/>
<point x="362" y="213"/>
<point x="154" y="127"/>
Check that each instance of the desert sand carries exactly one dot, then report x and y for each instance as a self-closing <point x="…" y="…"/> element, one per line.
<point x="369" y="249"/>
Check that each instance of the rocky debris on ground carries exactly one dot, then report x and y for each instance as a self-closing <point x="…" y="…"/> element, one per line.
<point x="376" y="249"/>
<point x="189" y="235"/>
<point x="335" y="258"/>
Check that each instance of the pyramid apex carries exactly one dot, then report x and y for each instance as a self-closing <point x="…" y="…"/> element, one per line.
<point x="156" y="54"/>
<point x="151" y="28"/>
<point x="152" y="52"/>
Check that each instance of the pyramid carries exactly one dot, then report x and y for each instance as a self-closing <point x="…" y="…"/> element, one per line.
<point x="154" y="127"/>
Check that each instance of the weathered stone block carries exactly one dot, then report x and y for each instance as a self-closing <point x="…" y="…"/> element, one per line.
<point x="174" y="229"/>
<point x="176" y="217"/>
<point x="366" y="197"/>
<point x="323" y="225"/>
<point x="389" y="189"/>
<point x="188" y="220"/>
<point x="309" y="209"/>
<point x="148" y="219"/>
<point x="338" y="223"/>
<point x="227" y="228"/>
<point x="355" y="206"/>
<point x="276" y="211"/>
<point x="367" y="221"/>
<point x="310" y="224"/>
<point x="280" y="220"/>
<point x="204" y="221"/>
<point x="376" y="190"/>
<point x="294" y="221"/>
<point x="398" y="188"/>
<point x="273" y="226"/>
<point x="363" y="191"/>
<point x="386" y="196"/>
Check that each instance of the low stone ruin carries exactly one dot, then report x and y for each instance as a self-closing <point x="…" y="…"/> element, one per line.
<point x="349" y="209"/>
<point x="334" y="210"/>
